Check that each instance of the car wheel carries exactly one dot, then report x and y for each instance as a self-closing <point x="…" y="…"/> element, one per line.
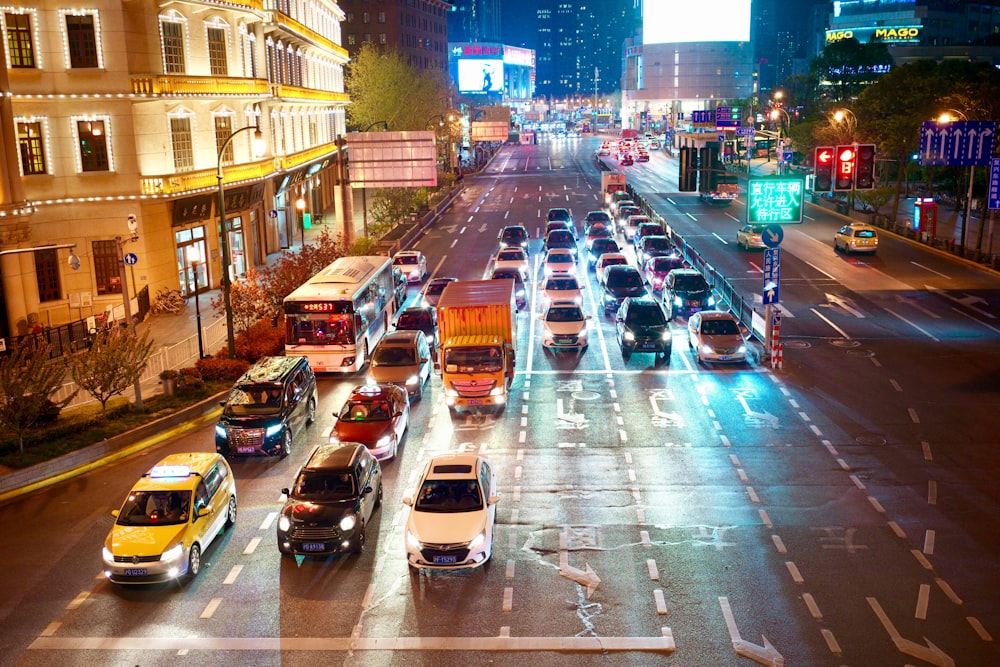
<point x="359" y="542"/>
<point x="286" y="446"/>
<point x="231" y="512"/>
<point x="311" y="411"/>
<point x="626" y="355"/>
<point x="194" y="561"/>
<point x="378" y="498"/>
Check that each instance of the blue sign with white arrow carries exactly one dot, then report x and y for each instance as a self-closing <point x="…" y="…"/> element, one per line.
<point x="772" y="235"/>
<point x="772" y="275"/>
<point x="965" y="143"/>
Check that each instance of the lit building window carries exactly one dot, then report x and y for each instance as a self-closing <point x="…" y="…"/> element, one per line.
<point x="93" y="141"/>
<point x="20" y="49"/>
<point x="217" y="60"/>
<point x="31" y="147"/>
<point x="172" y="41"/>
<point x="180" y="141"/>
<point x="82" y="39"/>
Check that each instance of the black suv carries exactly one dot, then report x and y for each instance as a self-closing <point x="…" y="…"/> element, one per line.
<point x="560" y="215"/>
<point x="641" y="326"/>
<point x="514" y="235"/>
<point x="267" y="408"/>
<point x="620" y="281"/>
<point x="686" y="291"/>
<point x="331" y="501"/>
<point x="560" y="238"/>
<point x="599" y="247"/>
<point x="420" y="318"/>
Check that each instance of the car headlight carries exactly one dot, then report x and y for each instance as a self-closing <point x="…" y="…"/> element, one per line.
<point x="273" y="430"/>
<point x="578" y="299"/>
<point x="412" y="380"/>
<point x="412" y="541"/>
<point x="220" y="431"/>
<point x="477" y="541"/>
<point x="742" y="349"/>
<point x="449" y="391"/>
<point x="348" y="522"/>
<point x="707" y="349"/>
<point x="666" y="335"/>
<point x="383" y="442"/>
<point x="678" y="301"/>
<point x="547" y="333"/>
<point x="710" y="301"/>
<point x="173" y="553"/>
<point x="284" y="524"/>
<point x="497" y="391"/>
<point x="629" y="336"/>
<point x="107" y="555"/>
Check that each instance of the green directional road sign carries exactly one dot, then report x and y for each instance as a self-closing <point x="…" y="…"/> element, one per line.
<point x="775" y="200"/>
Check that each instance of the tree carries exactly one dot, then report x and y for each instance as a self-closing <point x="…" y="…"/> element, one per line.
<point x="389" y="207"/>
<point x="27" y="381"/>
<point x="846" y="67"/>
<point x="113" y="363"/>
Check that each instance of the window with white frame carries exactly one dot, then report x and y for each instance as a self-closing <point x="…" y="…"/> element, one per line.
<point x="181" y="142"/>
<point x="83" y="38"/>
<point x="217" y="36"/>
<point x="172" y="28"/>
<point x="92" y="135"/>
<point x="20" y="42"/>
<point x="31" y="145"/>
<point x="223" y="130"/>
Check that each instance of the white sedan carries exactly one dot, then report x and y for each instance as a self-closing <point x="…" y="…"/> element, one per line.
<point x="559" y="261"/>
<point x="564" y="326"/>
<point x="715" y="336"/>
<point x="450" y="525"/>
<point x="561" y="287"/>
<point x="511" y="258"/>
<point x="412" y="263"/>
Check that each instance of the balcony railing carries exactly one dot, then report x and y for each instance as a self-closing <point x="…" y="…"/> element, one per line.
<point x="293" y="26"/>
<point x="286" y="92"/>
<point x="164" y="85"/>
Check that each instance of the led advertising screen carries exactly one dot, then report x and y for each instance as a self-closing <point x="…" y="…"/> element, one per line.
<point x="480" y="76"/>
<point x="672" y="21"/>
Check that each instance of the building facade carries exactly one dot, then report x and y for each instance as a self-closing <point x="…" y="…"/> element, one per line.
<point x="474" y="21"/>
<point x="136" y="108"/>
<point x="418" y="29"/>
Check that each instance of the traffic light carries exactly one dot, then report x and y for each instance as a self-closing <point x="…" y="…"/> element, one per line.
<point x="688" y="169"/>
<point x="823" y="181"/>
<point x="864" y="173"/>
<point x="843" y="168"/>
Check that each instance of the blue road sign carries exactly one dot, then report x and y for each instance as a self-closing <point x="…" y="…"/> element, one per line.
<point x="961" y="144"/>
<point x="994" y="194"/>
<point x="772" y="275"/>
<point x="772" y="236"/>
<point x="131" y="258"/>
<point x="786" y="156"/>
<point x="746" y="131"/>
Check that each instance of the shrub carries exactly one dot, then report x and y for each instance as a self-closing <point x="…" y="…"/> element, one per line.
<point x="262" y="339"/>
<point x="190" y="379"/>
<point x="221" y="368"/>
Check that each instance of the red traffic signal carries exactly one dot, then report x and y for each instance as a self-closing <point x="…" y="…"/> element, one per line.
<point x="823" y="169"/>
<point x="864" y="172"/>
<point x="844" y="167"/>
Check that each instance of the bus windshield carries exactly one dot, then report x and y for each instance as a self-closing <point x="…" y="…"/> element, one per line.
<point x="323" y="329"/>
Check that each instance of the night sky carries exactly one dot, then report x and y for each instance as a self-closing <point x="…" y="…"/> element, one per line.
<point x="517" y="22"/>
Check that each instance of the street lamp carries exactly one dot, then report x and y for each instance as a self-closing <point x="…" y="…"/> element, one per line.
<point x="300" y="204"/>
<point x="776" y="113"/>
<point x="193" y="255"/>
<point x="442" y="124"/>
<point x="945" y="118"/>
<point x="259" y="147"/>
<point x="847" y="119"/>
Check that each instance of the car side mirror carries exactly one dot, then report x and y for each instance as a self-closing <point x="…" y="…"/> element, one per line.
<point x="408" y="501"/>
<point x="115" y="513"/>
<point x="336" y="417"/>
<point x="368" y="490"/>
<point x="222" y="404"/>
<point x="285" y="492"/>
<point x="424" y="360"/>
<point x="203" y="511"/>
<point x="493" y="500"/>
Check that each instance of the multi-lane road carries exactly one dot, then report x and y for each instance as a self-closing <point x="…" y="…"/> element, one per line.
<point x="843" y="507"/>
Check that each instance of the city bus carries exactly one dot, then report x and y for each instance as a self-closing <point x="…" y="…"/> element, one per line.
<point x="338" y="316"/>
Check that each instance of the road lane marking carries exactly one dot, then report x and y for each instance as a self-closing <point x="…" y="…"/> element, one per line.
<point x="929" y="537"/>
<point x="508" y="598"/>
<point x="812" y="606"/>
<point x="831" y="641"/>
<point x="912" y="324"/>
<point x="654" y="572"/>
<point x="877" y="505"/>
<point x="50" y="629"/>
<point x="923" y="600"/>
<point x="897" y="530"/>
<point x="233" y="573"/>
<point x="765" y="519"/>
<point x="932" y="492"/>
<point x="925" y="268"/>
<point x="922" y="559"/>
<point x="794" y="571"/>
<point x="948" y="591"/>
<point x="978" y="627"/>
<point x="913" y="415"/>
<point x="779" y="545"/>
<point x="268" y="520"/>
<point x="720" y="238"/>
<point x="926" y="446"/>
<point x="251" y="546"/>
<point x="895" y="385"/>
<point x="661" y="605"/>
<point x="842" y="333"/>
<point x="210" y="609"/>
<point x="78" y="600"/>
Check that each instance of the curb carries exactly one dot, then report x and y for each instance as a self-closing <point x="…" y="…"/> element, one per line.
<point x="73" y="464"/>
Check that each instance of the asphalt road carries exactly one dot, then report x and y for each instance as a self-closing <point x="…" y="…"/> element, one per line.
<point x="844" y="507"/>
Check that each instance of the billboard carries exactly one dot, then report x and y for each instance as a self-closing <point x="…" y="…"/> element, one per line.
<point x="480" y="75"/>
<point x="673" y="21"/>
<point x="392" y="159"/>
<point x="775" y="200"/>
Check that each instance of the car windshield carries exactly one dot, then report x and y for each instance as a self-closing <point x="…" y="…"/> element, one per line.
<point x="559" y="258"/>
<point x="449" y="495"/>
<point x="254" y="400"/>
<point x="646" y="315"/>
<point x="690" y="283"/>
<point x="864" y="233"/>
<point x="405" y="259"/>
<point x="656" y="243"/>
<point x="648" y="229"/>
<point x="368" y="410"/>
<point x="507" y="274"/>
<point x="599" y="231"/>
<point x="394" y="355"/>
<point x="624" y="279"/>
<point x="560" y="236"/>
<point x="611" y="261"/>
<point x="408" y="320"/>
<point x="436" y="287"/>
<point x="324" y="485"/>
<point x="666" y="263"/>
<point x="719" y="328"/>
<point x="508" y="255"/>
<point x="604" y="245"/>
<point x="558" y="214"/>
<point x="484" y="359"/>
<point x="513" y="234"/>
<point x="637" y="221"/>
<point x="564" y="314"/>
<point x="562" y="284"/>
<point x="155" y="508"/>
<point x="598" y="216"/>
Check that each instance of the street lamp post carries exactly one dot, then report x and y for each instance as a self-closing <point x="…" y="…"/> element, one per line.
<point x="300" y="204"/>
<point x="133" y="228"/>
<point x="227" y="282"/>
<point x="193" y="255"/>
<point x="776" y="113"/>
<point x="945" y="118"/>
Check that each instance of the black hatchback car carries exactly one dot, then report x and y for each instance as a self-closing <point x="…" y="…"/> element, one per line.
<point x="560" y="238"/>
<point x="420" y="318"/>
<point x="331" y="501"/>
<point x="686" y="291"/>
<point x="515" y="235"/>
<point x="599" y="247"/>
<point x="270" y="403"/>
<point x="620" y="281"/>
<point x="641" y="326"/>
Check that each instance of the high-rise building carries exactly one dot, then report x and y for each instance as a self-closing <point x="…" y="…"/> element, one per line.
<point x="474" y="21"/>
<point x="579" y="47"/>
<point x="122" y="109"/>
<point x="418" y="30"/>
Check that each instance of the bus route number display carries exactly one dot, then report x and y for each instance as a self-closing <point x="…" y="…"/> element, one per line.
<point x="775" y="200"/>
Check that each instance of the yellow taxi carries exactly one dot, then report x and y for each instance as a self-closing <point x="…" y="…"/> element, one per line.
<point x="169" y="518"/>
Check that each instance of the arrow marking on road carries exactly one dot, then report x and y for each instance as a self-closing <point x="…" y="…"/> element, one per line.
<point x="929" y="653"/>
<point x="762" y="655"/>
<point x="753" y="414"/>
<point x="587" y="579"/>
<point x="912" y="303"/>
<point x="845" y="303"/>
<point x="966" y="301"/>
<point x="569" y="419"/>
<point x="661" y="418"/>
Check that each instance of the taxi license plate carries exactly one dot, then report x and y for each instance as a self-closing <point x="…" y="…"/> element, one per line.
<point x="136" y="572"/>
<point x="474" y="401"/>
<point x="648" y="346"/>
<point x="725" y="357"/>
<point x="313" y="546"/>
<point x="246" y="450"/>
<point x="445" y="560"/>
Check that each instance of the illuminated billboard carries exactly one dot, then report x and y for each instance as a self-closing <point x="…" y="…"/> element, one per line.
<point x="673" y="21"/>
<point x="480" y="75"/>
